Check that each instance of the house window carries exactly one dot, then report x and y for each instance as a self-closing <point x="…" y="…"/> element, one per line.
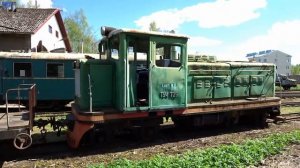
<point x="265" y="60"/>
<point x="55" y="70"/>
<point x="56" y="34"/>
<point x="22" y="69"/>
<point x="50" y="29"/>
<point x="275" y="60"/>
<point x="259" y="60"/>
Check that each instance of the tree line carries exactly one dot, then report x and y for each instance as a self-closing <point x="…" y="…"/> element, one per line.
<point x="80" y="33"/>
<point x="296" y="69"/>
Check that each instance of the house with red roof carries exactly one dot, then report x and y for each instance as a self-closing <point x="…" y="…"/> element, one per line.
<point x="32" y="30"/>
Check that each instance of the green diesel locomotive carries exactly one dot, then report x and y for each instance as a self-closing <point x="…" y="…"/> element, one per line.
<point x="142" y="77"/>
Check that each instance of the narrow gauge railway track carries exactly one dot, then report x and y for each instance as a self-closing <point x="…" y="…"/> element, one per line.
<point x="291" y="116"/>
<point x="284" y="94"/>
<point x="291" y="103"/>
<point x="37" y="150"/>
<point x="124" y="142"/>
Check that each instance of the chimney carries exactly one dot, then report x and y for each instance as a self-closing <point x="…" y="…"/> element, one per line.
<point x="9" y="6"/>
<point x="14" y="7"/>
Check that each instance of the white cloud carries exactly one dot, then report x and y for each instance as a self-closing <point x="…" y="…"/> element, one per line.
<point x="41" y="3"/>
<point x="207" y="15"/>
<point x="167" y="20"/>
<point x="283" y="36"/>
<point x="195" y="44"/>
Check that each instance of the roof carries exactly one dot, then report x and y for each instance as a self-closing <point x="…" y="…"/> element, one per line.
<point x="47" y="56"/>
<point x="233" y="63"/>
<point x="29" y="21"/>
<point x="246" y="64"/>
<point x="114" y="32"/>
<point x="265" y="53"/>
<point x="24" y="20"/>
<point x="260" y="53"/>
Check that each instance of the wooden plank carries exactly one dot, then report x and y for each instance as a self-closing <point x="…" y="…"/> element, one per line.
<point x="16" y="120"/>
<point x="12" y="106"/>
<point x="192" y="109"/>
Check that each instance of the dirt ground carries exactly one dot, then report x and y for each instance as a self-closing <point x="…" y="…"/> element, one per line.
<point x="290" y="158"/>
<point x="170" y="142"/>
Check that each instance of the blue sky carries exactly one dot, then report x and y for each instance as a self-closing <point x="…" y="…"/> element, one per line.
<point x="226" y="28"/>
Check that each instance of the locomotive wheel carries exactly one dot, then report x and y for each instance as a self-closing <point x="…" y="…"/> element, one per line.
<point x="22" y="141"/>
<point x="149" y="133"/>
<point x="182" y="123"/>
<point x="261" y="120"/>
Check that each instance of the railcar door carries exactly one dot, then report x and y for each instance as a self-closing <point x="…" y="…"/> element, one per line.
<point x="167" y="73"/>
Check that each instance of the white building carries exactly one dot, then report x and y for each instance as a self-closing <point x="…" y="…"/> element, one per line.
<point x="31" y="29"/>
<point x="280" y="59"/>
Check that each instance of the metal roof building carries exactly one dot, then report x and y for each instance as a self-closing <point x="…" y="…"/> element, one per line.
<point x="279" y="58"/>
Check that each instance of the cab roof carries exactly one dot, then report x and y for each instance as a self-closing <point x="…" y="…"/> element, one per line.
<point x="48" y="56"/>
<point x="155" y="33"/>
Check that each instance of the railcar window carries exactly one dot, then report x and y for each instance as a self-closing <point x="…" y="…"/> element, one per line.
<point x="22" y="70"/>
<point x="168" y="55"/>
<point x="55" y="70"/>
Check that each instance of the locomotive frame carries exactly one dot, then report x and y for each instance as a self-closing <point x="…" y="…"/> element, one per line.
<point x="142" y="77"/>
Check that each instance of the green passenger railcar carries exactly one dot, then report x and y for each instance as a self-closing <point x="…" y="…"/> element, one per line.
<point x="51" y="72"/>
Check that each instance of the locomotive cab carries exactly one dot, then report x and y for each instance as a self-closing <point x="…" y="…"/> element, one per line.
<point x="136" y="71"/>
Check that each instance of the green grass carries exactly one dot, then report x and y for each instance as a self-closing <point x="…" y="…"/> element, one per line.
<point x="250" y="152"/>
<point x="287" y="109"/>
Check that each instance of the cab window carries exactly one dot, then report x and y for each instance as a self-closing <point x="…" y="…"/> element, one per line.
<point x="114" y="48"/>
<point x="168" y="55"/>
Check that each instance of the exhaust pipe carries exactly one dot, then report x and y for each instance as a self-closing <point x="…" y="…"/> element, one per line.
<point x="105" y="30"/>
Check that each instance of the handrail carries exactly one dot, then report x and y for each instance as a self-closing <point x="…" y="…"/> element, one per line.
<point x="255" y="70"/>
<point x="215" y="70"/>
<point x="31" y="99"/>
